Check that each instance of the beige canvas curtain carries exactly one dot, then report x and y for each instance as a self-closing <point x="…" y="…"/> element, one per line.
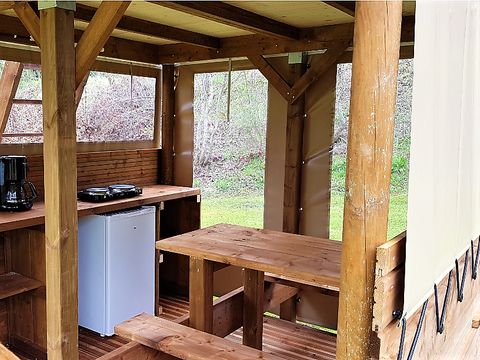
<point x="444" y="183"/>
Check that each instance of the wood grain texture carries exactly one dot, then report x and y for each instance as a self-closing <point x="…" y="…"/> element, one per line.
<point x="7" y="354"/>
<point x="29" y="19"/>
<point x="253" y="308"/>
<point x="12" y="284"/>
<point x="96" y="35"/>
<point x="388" y="295"/>
<point x="58" y="94"/>
<point x="304" y="259"/>
<point x="151" y="195"/>
<point x="234" y="16"/>
<point x="369" y="154"/>
<point x="183" y="342"/>
<point x="273" y="77"/>
<point x="168" y="124"/>
<point x="135" y="351"/>
<point x="456" y="340"/>
<point x="153" y="29"/>
<point x="201" y="294"/>
<point x="293" y="157"/>
<point x="12" y="72"/>
<point x="316" y="70"/>
<point x="391" y="254"/>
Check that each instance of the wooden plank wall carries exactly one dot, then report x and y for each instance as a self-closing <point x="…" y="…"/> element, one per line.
<point x="139" y="167"/>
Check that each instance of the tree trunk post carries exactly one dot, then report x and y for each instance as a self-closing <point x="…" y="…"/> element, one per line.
<point x="369" y="164"/>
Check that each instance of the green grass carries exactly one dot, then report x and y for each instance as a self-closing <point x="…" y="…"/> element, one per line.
<point x="239" y="210"/>
<point x="248" y="211"/>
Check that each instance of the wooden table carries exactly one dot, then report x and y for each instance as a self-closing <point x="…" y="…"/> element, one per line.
<point x="153" y="194"/>
<point x="302" y="259"/>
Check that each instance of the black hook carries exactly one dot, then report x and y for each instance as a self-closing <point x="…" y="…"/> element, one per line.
<point x="475" y="260"/>
<point x="416" y="336"/>
<point x="441" y="319"/>
<point x="461" y="283"/>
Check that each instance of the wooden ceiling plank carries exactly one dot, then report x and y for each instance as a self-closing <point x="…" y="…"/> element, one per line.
<point x="234" y="16"/>
<point x="12" y="72"/>
<point x="273" y="77"/>
<point x="29" y="19"/>
<point x="144" y="27"/>
<point x="315" y="71"/>
<point x="348" y="7"/>
<point x="96" y="35"/>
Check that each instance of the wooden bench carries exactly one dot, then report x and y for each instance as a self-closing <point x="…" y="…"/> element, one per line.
<point x="183" y="342"/>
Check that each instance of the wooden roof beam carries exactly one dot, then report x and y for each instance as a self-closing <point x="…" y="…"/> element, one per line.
<point x="96" y="35"/>
<point x="29" y="19"/>
<point x="6" y="5"/>
<point x="348" y="7"/>
<point x="234" y="16"/>
<point x="143" y="27"/>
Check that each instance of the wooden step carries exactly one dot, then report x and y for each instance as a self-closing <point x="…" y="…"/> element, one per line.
<point x="13" y="284"/>
<point x="184" y="342"/>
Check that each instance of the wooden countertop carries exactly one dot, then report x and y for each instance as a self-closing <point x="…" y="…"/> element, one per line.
<point x="151" y="195"/>
<point x="303" y="259"/>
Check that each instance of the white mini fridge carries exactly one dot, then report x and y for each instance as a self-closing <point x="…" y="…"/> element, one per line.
<point x="116" y="271"/>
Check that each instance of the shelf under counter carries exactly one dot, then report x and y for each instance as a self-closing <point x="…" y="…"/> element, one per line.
<point x="153" y="194"/>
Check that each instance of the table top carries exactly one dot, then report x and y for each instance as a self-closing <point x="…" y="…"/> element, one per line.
<point x="304" y="259"/>
<point x="151" y="195"/>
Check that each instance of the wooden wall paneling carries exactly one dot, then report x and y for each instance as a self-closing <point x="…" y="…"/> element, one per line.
<point x="369" y="162"/>
<point x="12" y="72"/>
<point x="174" y="271"/>
<point x="27" y="312"/>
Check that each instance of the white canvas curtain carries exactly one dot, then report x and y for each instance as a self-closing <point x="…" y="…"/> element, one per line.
<point x="444" y="183"/>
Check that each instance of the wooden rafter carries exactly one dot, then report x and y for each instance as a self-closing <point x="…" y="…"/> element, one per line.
<point x="29" y="19"/>
<point x="149" y="28"/>
<point x="234" y="16"/>
<point x="96" y="35"/>
<point x="9" y="81"/>
<point x="348" y="7"/>
<point x="6" y="5"/>
<point x="273" y="77"/>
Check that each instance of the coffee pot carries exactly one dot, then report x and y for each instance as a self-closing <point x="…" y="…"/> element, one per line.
<point x="16" y="193"/>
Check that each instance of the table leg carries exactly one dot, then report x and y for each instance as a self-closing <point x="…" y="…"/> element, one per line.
<point x="253" y="308"/>
<point x="201" y="294"/>
<point x="288" y="310"/>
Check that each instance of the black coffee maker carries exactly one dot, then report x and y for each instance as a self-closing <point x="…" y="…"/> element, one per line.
<point x="17" y="194"/>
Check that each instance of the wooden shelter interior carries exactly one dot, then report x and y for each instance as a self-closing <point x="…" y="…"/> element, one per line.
<point x="171" y="41"/>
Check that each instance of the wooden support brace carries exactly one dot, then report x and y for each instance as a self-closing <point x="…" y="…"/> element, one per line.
<point x="253" y="308"/>
<point x="12" y="72"/>
<point x="136" y="351"/>
<point x="201" y="294"/>
<point x="29" y="19"/>
<point x="315" y="71"/>
<point x="79" y="90"/>
<point x="277" y="81"/>
<point x="96" y="35"/>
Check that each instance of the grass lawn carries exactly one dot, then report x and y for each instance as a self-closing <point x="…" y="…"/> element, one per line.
<point x="248" y="211"/>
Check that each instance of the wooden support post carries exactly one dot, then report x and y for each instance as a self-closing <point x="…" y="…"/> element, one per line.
<point x="293" y="158"/>
<point x="58" y="93"/>
<point x="12" y="72"/>
<point x="369" y="166"/>
<point x="201" y="294"/>
<point x="253" y="308"/>
<point x="168" y="123"/>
